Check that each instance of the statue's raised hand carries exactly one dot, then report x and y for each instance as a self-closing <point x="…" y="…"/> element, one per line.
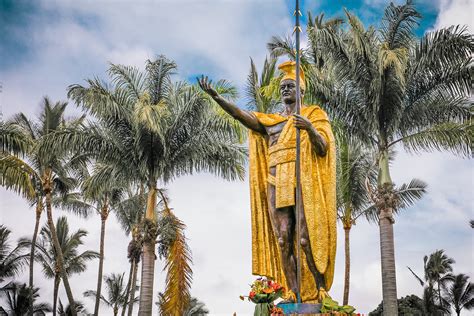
<point x="206" y="86"/>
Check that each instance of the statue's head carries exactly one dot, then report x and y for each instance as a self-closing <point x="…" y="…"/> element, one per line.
<point x="288" y="82"/>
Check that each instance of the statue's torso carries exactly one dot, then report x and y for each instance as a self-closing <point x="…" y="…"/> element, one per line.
<point x="273" y="133"/>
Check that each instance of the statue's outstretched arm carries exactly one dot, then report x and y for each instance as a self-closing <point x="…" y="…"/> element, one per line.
<point x="245" y="117"/>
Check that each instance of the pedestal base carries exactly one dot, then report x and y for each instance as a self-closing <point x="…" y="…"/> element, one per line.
<point x="300" y="308"/>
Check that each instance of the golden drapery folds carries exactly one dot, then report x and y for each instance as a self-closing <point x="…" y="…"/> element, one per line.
<point x="318" y="182"/>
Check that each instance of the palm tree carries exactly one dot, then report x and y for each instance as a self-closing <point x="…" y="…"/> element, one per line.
<point x="116" y="292"/>
<point x="460" y="293"/>
<point x="152" y="130"/>
<point x="439" y="265"/>
<point x="354" y="167"/>
<point x="18" y="299"/>
<point x="74" y="262"/>
<point x="355" y="174"/>
<point x="437" y="268"/>
<point x="35" y="173"/>
<point x="11" y="260"/>
<point x="258" y="90"/>
<point x="67" y="311"/>
<point x="194" y="308"/>
<point x="99" y="194"/>
<point x="130" y="215"/>
<point x="392" y="89"/>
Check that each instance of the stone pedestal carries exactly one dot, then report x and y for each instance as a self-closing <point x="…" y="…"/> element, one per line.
<point x="300" y="308"/>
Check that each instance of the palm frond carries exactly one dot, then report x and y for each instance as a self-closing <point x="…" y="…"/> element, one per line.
<point x="422" y="283"/>
<point x="18" y="176"/>
<point x="159" y="74"/>
<point x="398" y="24"/>
<point x="179" y="274"/>
<point x="456" y="138"/>
<point x="408" y="194"/>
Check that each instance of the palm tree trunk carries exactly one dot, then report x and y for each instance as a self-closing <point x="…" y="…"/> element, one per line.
<point x="132" y="289"/>
<point x="387" y="249"/>
<point x="103" y="215"/>
<point x="146" y="290"/>
<point x="149" y="257"/>
<point x="57" y="280"/>
<point x="39" y="209"/>
<point x="59" y="253"/>
<point x="347" y="271"/>
<point x="127" y="290"/>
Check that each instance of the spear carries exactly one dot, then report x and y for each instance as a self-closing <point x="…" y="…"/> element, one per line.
<point x="298" y="202"/>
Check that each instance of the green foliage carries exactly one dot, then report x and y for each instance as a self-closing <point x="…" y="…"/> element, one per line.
<point x="116" y="291"/>
<point x="12" y="260"/>
<point x="18" y="300"/>
<point x="74" y="261"/>
<point x="262" y="91"/>
<point x="460" y="293"/>
<point x="66" y="310"/>
<point x="437" y="268"/>
<point x="329" y="305"/>
<point x="408" y="305"/>
<point x="389" y="87"/>
<point x="146" y="134"/>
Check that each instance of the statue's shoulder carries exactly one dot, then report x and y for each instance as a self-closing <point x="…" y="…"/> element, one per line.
<point x="314" y="112"/>
<point x="269" y="119"/>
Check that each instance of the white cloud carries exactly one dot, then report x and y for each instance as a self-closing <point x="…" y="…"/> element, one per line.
<point x="454" y="12"/>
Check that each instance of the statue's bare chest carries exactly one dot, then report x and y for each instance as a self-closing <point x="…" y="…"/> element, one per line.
<point x="274" y="132"/>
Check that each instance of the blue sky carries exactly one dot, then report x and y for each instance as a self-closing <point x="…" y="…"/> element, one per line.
<point x="49" y="44"/>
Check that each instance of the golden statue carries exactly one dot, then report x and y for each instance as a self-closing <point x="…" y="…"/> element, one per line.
<point x="272" y="144"/>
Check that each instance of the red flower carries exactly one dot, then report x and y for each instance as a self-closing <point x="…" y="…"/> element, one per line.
<point x="276" y="286"/>
<point x="252" y="294"/>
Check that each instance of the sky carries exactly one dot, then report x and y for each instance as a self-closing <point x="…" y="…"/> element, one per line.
<point x="47" y="45"/>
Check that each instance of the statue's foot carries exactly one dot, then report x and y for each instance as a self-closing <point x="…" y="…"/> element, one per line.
<point x="289" y="297"/>
<point x="322" y="294"/>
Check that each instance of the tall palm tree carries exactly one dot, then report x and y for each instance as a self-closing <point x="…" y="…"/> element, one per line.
<point x="130" y="214"/>
<point x="355" y="174"/>
<point x="354" y="167"/>
<point x="18" y="297"/>
<point x="11" y="260"/>
<point x="74" y="262"/>
<point x="151" y="130"/>
<point x="390" y="89"/>
<point x="99" y="194"/>
<point x="37" y="174"/>
<point x="460" y="293"/>
<point x="116" y="292"/>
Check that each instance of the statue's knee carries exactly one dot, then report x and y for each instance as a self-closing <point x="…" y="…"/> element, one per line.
<point x="304" y="242"/>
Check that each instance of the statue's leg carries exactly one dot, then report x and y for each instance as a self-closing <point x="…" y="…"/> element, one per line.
<point x="283" y="224"/>
<point x="306" y="245"/>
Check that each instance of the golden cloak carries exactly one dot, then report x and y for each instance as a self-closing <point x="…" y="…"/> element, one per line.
<point x="318" y="179"/>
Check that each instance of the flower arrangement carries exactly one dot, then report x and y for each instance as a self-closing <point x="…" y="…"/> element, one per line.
<point x="263" y="292"/>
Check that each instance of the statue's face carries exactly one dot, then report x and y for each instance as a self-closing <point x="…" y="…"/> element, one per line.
<point x="288" y="91"/>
